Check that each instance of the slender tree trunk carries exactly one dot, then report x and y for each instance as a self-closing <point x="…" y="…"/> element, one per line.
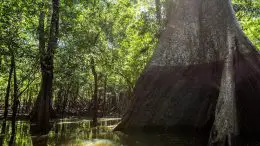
<point x="105" y="95"/>
<point x="15" y="96"/>
<point x="95" y="96"/>
<point x="29" y="102"/>
<point x="59" y="100"/>
<point x="7" y="94"/>
<point x="65" y="100"/>
<point x="15" y="102"/>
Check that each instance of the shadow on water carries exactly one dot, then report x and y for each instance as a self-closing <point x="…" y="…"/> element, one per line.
<point x="78" y="132"/>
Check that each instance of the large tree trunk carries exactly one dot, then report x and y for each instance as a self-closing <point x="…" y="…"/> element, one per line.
<point x="203" y="60"/>
<point x="42" y="109"/>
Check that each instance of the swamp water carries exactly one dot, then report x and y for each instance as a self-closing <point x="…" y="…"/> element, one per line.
<point x="78" y="132"/>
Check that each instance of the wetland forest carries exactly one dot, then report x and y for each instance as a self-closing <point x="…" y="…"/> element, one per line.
<point x="129" y="72"/>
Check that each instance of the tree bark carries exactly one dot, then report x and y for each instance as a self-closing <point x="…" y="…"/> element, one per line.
<point x="42" y="109"/>
<point x="225" y="127"/>
<point x="204" y="71"/>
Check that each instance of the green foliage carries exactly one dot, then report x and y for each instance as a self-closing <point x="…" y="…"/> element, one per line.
<point x="17" y="34"/>
<point x="248" y="14"/>
<point x="120" y="36"/>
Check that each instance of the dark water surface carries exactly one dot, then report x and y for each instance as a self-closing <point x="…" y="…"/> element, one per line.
<point x="78" y="132"/>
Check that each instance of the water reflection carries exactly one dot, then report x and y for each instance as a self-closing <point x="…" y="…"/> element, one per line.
<point x="65" y="132"/>
<point x="22" y="135"/>
<point x="78" y="132"/>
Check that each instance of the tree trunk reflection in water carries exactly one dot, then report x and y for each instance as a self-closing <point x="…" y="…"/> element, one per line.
<point x="40" y="140"/>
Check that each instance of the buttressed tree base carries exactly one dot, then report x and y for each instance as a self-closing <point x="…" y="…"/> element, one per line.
<point x="204" y="75"/>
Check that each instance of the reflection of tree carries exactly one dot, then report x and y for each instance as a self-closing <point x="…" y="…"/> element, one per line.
<point x="73" y="132"/>
<point x="22" y="135"/>
<point x="63" y="132"/>
<point x="2" y="133"/>
<point x="11" y="141"/>
<point x="40" y="140"/>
